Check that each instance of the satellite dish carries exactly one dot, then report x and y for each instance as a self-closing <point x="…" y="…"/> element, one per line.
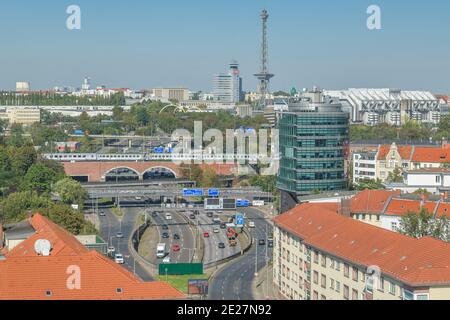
<point x="42" y="247"/>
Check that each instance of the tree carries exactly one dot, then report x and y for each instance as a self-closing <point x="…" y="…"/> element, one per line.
<point x="266" y="183"/>
<point x="395" y="176"/>
<point x="3" y="125"/>
<point x="369" y="184"/>
<point x="423" y="224"/>
<point x="39" y="178"/>
<point x="16" y="206"/>
<point x="71" y="191"/>
<point x="210" y="178"/>
<point x="63" y="215"/>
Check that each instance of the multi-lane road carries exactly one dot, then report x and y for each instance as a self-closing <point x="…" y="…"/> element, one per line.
<point x="234" y="281"/>
<point x="176" y="226"/>
<point x="110" y="226"/>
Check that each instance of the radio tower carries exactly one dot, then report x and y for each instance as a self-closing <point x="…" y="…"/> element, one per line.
<point x="264" y="76"/>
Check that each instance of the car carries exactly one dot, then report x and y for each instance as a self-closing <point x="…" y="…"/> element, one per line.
<point x="168" y="216"/>
<point x="209" y="214"/>
<point x="206" y="234"/>
<point x="111" y="250"/>
<point x="102" y="213"/>
<point x="119" y="235"/>
<point x="223" y="226"/>
<point x="270" y="243"/>
<point x="166" y="260"/>
<point x="165" y="227"/>
<point x="251" y="224"/>
<point x="118" y="258"/>
<point x="221" y="245"/>
<point x="165" y="235"/>
<point x="216" y="230"/>
<point x="138" y="198"/>
<point x="196" y="212"/>
<point x="217" y="221"/>
<point x="192" y="216"/>
<point x="262" y="242"/>
<point x="176" y="248"/>
<point x="154" y="214"/>
<point x="176" y="236"/>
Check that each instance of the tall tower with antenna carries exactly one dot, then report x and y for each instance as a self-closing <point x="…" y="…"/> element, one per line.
<point x="264" y="75"/>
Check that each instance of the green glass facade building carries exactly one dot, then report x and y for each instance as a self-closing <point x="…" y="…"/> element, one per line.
<point x="314" y="136"/>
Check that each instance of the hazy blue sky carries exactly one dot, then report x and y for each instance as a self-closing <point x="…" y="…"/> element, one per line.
<point x="146" y="43"/>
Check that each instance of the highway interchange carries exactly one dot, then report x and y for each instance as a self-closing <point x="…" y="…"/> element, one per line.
<point x="230" y="282"/>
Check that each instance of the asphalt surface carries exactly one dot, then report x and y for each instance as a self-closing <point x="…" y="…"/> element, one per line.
<point x="234" y="281"/>
<point x="110" y="226"/>
<point x="177" y="225"/>
<point x="212" y="251"/>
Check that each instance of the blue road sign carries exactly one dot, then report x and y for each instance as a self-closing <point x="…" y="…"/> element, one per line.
<point x="213" y="192"/>
<point x="242" y="203"/>
<point x="192" y="192"/>
<point x="240" y="220"/>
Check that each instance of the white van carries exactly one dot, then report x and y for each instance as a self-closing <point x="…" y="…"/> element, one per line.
<point x="168" y="216"/>
<point x="161" y="250"/>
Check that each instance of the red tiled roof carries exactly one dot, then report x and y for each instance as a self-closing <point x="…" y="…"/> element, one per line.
<point x="400" y="207"/>
<point x="30" y="278"/>
<point x="26" y="276"/>
<point x="63" y="243"/>
<point x="432" y="155"/>
<point x="416" y="262"/>
<point x="404" y="151"/>
<point x="371" y="201"/>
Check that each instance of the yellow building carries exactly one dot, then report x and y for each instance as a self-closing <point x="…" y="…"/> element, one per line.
<point x="321" y="254"/>
<point x="21" y="115"/>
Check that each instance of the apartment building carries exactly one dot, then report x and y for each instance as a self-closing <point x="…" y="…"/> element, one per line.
<point x="384" y="160"/>
<point x="166" y="94"/>
<point x="320" y="254"/>
<point x="21" y="115"/>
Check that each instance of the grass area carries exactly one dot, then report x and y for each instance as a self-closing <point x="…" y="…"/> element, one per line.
<point x="181" y="282"/>
<point x="118" y="212"/>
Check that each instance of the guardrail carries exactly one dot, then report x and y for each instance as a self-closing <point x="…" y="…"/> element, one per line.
<point x="238" y="254"/>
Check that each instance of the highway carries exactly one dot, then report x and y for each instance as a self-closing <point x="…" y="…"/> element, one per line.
<point x="234" y="281"/>
<point x="110" y="226"/>
<point x="179" y="226"/>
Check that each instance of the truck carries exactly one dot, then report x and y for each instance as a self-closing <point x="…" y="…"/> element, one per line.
<point x="161" y="250"/>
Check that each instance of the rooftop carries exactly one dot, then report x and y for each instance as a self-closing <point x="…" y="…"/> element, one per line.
<point x="70" y="272"/>
<point x="415" y="262"/>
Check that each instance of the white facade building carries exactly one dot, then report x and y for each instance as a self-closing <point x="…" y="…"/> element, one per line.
<point x="228" y="86"/>
<point x="393" y="106"/>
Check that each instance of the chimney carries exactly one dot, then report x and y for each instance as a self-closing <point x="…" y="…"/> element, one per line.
<point x="345" y="209"/>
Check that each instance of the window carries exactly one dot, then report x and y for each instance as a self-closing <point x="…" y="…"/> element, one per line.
<point x="324" y="261"/>
<point x="346" y="292"/>
<point x="346" y="270"/>
<point x="323" y="281"/>
<point x="322" y="297"/>
<point x="316" y="257"/>
<point x="423" y="296"/>
<point x="48" y="293"/>
<point x="119" y="290"/>
<point x="394" y="226"/>
<point x="355" y="294"/>
<point x="392" y="288"/>
<point x="355" y="274"/>
<point x="338" y="286"/>
<point x="332" y="263"/>
<point x="315" y="295"/>
<point x="438" y="179"/>
<point x="381" y="285"/>
<point x="316" y="277"/>
<point x="338" y="266"/>
<point x="332" y="284"/>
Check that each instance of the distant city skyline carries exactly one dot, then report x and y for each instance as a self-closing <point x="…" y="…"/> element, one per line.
<point x="144" y="44"/>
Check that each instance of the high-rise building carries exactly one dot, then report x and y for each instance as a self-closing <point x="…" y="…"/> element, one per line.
<point x="313" y="139"/>
<point x="228" y="86"/>
<point x="22" y="86"/>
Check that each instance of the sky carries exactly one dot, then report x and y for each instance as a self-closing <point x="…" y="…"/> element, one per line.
<point x="142" y="44"/>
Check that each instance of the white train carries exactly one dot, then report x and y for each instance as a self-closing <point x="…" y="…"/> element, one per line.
<point x="69" y="157"/>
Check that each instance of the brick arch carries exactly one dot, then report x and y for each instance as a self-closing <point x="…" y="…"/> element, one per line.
<point x="175" y="172"/>
<point x="122" y="167"/>
<point x="96" y="171"/>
